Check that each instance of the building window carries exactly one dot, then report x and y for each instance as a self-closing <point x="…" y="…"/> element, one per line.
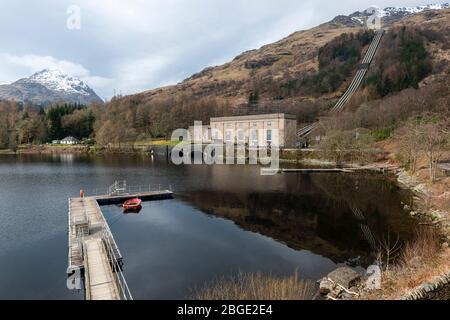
<point x="255" y="124"/>
<point x="241" y="125"/>
<point x="241" y="136"/>
<point x="254" y="137"/>
<point x="228" y="136"/>
<point x="269" y="135"/>
<point x="269" y="123"/>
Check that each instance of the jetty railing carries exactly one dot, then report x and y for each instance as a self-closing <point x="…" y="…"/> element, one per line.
<point x="121" y="188"/>
<point x="117" y="188"/>
<point x="116" y="265"/>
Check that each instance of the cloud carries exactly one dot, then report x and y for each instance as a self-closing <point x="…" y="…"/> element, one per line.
<point x="132" y="46"/>
<point x="136" y="74"/>
<point x="35" y="63"/>
<point x="14" y="67"/>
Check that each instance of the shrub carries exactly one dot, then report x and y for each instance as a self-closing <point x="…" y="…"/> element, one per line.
<point x="381" y="134"/>
<point x="256" y="286"/>
<point x="423" y="248"/>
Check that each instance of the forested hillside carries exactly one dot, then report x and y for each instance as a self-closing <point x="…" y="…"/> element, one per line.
<point x="23" y="125"/>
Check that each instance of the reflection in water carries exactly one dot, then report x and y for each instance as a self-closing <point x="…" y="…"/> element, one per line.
<point x="319" y="213"/>
<point x="132" y="211"/>
<point x="271" y="223"/>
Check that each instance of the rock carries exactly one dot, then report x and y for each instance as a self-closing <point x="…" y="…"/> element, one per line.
<point x="354" y="289"/>
<point x="428" y="287"/>
<point x="421" y="188"/>
<point x="345" y="276"/>
<point x="346" y="295"/>
<point x="325" y="286"/>
<point x="335" y="293"/>
<point x="406" y="207"/>
<point x="413" y="214"/>
<point x="436" y="215"/>
<point x="445" y="245"/>
<point x="267" y="60"/>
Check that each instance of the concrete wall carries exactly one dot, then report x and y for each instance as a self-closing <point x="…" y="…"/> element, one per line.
<point x="256" y="130"/>
<point x="204" y="136"/>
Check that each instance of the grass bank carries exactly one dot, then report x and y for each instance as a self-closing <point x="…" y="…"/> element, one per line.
<point x="256" y="286"/>
<point x="419" y="261"/>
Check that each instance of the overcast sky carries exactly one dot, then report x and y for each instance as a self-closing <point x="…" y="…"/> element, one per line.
<point x="135" y="45"/>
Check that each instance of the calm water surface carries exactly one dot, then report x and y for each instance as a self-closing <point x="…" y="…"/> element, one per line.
<point x="223" y="219"/>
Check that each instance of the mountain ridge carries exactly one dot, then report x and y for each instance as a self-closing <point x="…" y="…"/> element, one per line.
<point x="49" y="86"/>
<point x="291" y="57"/>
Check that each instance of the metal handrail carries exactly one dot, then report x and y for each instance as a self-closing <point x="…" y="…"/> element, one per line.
<point x="107" y="229"/>
<point x="124" y="290"/>
<point x="117" y="187"/>
<point x="125" y="189"/>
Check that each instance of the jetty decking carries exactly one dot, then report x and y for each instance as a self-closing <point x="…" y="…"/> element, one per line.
<point x="100" y="282"/>
<point x="378" y="168"/>
<point x="92" y="248"/>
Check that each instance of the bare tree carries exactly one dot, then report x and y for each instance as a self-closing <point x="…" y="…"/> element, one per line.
<point x="390" y="250"/>
<point x="336" y="145"/>
<point x="409" y="145"/>
<point x="433" y="136"/>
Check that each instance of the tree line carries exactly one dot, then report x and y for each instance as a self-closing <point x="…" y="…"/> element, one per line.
<point x="29" y="124"/>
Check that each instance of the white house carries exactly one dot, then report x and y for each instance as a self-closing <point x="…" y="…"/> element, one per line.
<point x="70" y="140"/>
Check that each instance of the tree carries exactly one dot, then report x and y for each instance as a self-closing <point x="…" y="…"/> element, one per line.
<point x="253" y="99"/>
<point x="433" y="135"/>
<point x="79" y="124"/>
<point x="336" y="145"/>
<point x="410" y="145"/>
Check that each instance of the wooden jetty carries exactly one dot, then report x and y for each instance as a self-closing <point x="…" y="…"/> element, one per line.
<point x="92" y="250"/>
<point x="378" y="168"/>
<point x="316" y="170"/>
<point x="100" y="283"/>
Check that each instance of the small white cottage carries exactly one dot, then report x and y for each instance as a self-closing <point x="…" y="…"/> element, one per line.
<point x="70" y="140"/>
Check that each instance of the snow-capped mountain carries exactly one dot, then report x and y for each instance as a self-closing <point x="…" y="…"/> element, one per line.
<point x="390" y="11"/>
<point x="49" y="86"/>
<point x="388" y="15"/>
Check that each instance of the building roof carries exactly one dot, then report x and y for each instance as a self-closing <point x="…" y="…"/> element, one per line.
<point x="203" y="127"/>
<point x="272" y="116"/>
<point x="70" y="138"/>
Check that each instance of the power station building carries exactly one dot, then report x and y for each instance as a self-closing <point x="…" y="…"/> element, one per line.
<point x="261" y="130"/>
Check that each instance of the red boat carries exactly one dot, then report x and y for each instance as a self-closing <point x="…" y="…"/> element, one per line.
<point x="132" y="204"/>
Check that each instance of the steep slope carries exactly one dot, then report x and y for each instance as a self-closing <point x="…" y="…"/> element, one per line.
<point x="49" y="86"/>
<point x="296" y="55"/>
<point x="292" y="58"/>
